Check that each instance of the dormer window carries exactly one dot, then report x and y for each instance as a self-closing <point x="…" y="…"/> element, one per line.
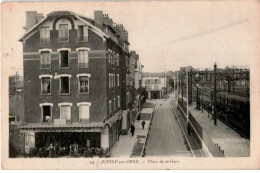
<point x="63" y="33"/>
<point x="83" y="33"/>
<point x="45" y="34"/>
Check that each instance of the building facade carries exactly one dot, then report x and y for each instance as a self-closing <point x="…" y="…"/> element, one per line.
<point x="155" y="87"/>
<point x="77" y="68"/>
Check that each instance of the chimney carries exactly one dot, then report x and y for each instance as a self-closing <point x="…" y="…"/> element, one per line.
<point x="31" y="19"/>
<point x="105" y="19"/>
<point x="98" y="18"/>
<point x="39" y="17"/>
<point x="122" y="32"/>
<point x="111" y="22"/>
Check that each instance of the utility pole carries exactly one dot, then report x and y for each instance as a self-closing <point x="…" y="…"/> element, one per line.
<point x="174" y="83"/>
<point x="177" y="85"/>
<point x="187" y="88"/>
<point x="16" y="83"/>
<point x="215" y="93"/>
<point x="197" y="88"/>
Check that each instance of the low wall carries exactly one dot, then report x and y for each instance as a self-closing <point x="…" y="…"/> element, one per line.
<point x="200" y="135"/>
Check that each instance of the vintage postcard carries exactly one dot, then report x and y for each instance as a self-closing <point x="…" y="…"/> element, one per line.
<point x="130" y="85"/>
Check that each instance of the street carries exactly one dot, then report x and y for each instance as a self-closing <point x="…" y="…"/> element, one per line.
<point x="165" y="136"/>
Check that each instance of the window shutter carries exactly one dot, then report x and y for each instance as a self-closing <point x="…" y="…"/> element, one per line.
<point x="84" y="112"/>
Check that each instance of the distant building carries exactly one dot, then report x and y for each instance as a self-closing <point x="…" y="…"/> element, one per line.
<point x="155" y="87"/>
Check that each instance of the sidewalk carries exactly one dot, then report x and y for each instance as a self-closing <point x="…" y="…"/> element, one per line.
<point x="125" y="145"/>
<point x="221" y="135"/>
<point x="231" y="142"/>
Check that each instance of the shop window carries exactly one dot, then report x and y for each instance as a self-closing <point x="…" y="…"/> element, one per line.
<point x="65" y="85"/>
<point x="83" y="59"/>
<point x="84" y="84"/>
<point x="45" y="34"/>
<point x="45" y="60"/>
<point x="46" y="113"/>
<point x="65" y="112"/>
<point x="46" y="85"/>
<point x="83" y="33"/>
<point x="64" y="59"/>
<point x="63" y="33"/>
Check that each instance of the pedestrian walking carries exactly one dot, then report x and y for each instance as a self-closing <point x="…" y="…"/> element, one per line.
<point x="143" y="124"/>
<point x="132" y="129"/>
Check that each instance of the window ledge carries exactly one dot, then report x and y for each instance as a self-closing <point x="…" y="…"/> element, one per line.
<point x="64" y="94"/>
<point x="84" y="93"/>
<point x="82" y="41"/>
<point x="46" y="94"/>
<point x="64" y="68"/>
<point x="64" y="41"/>
<point x="45" y="42"/>
<point x="83" y="67"/>
<point x="45" y="68"/>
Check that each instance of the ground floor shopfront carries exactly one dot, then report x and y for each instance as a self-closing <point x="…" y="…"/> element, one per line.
<point x="155" y="94"/>
<point x="85" y="139"/>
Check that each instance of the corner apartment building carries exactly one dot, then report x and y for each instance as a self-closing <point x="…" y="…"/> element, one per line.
<point x="76" y="70"/>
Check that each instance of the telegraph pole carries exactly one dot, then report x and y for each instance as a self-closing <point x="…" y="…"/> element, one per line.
<point x="215" y="93"/>
<point x="187" y="88"/>
<point x="177" y="85"/>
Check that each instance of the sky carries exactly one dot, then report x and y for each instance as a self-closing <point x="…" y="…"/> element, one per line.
<point x="151" y="27"/>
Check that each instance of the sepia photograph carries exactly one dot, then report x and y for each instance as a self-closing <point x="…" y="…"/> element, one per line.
<point x="130" y="85"/>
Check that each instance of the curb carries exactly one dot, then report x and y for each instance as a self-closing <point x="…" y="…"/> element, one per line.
<point x="143" y="150"/>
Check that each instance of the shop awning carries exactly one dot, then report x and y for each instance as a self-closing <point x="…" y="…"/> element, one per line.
<point x="48" y="127"/>
<point x="113" y="119"/>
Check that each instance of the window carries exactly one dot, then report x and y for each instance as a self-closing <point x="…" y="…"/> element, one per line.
<point x="118" y="101"/>
<point x="83" y="58"/>
<point x="117" y="60"/>
<point x="46" y="85"/>
<point x="148" y="81"/>
<point x="83" y="33"/>
<point x="84" y="111"/>
<point x="127" y="98"/>
<point x="118" y="81"/>
<point x="63" y="33"/>
<point x="64" y="85"/>
<point x="156" y="81"/>
<point x="83" y="84"/>
<point x="44" y="34"/>
<point x="64" y="58"/>
<point x="46" y="113"/>
<point x="45" y="60"/>
<point x="114" y="80"/>
<point x="110" y="81"/>
<point x="114" y="104"/>
<point x="110" y="107"/>
<point x="65" y="112"/>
